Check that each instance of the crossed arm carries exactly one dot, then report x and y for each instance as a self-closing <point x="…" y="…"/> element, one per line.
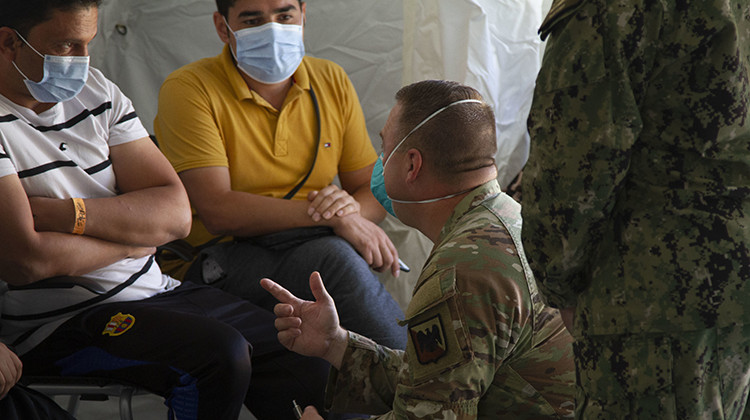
<point x="150" y="210"/>
<point x="10" y="370"/>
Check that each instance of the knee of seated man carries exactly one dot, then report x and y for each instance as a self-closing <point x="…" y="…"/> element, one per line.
<point x="224" y="351"/>
<point x="336" y="252"/>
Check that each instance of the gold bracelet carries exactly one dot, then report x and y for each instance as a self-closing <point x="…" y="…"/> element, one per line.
<point x="80" y="221"/>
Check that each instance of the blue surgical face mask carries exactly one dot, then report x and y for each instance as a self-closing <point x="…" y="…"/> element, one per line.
<point x="377" y="180"/>
<point x="377" y="186"/>
<point x="64" y="77"/>
<point x="269" y="53"/>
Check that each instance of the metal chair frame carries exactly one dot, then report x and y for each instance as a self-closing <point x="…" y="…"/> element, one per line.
<point x="86" y="389"/>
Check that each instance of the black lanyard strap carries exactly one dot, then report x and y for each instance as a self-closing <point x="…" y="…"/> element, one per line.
<point x="183" y="250"/>
<point x="296" y="188"/>
<point x="80" y="305"/>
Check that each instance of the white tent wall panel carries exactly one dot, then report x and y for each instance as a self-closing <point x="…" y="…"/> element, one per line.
<point x="141" y="41"/>
<point x="489" y="44"/>
<point x="365" y="38"/>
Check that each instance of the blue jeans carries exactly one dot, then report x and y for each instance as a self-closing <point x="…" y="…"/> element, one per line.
<point x="363" y="304"/>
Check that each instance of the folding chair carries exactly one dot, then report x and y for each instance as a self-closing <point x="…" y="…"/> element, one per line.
<point x="86" y="389"/>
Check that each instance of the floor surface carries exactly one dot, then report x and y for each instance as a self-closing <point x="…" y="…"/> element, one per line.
<point x="145" y="407"/>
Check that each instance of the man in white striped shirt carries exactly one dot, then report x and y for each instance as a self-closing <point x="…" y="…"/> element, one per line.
<point x="86" y="199"/>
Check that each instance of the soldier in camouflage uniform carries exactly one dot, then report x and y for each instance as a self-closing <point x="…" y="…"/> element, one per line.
<point x="639" y="176"/>
<point x="481" y="344"/>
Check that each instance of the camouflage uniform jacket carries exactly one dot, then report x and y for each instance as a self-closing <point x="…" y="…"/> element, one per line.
<point x="639" y="174"/>
<point x="481" y="344"/>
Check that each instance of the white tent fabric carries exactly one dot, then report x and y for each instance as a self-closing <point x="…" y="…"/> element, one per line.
<point x="491" y="45"/>
<point x="488" y="44"/>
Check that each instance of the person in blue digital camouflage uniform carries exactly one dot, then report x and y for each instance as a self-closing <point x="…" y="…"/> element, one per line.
<point x="637" y="201"/>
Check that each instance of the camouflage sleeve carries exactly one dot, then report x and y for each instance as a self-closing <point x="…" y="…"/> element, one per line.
<point x="367" y="378"/>
<point x="584" y="122"/>
<point x="463" y="322"/>
<point x="454" y="346"/>
<point x="459" y="333"/>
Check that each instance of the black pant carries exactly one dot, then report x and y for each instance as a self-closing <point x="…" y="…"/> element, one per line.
<point x="22" y="403"/>
<point x="193" y="346"/>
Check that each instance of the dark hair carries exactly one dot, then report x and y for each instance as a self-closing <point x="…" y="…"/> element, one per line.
<point x="223" y="6"/>
<point x="22" y="15"/>
<point x="460" y="139"/>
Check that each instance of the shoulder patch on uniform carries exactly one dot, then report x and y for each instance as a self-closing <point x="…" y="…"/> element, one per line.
<point x="429" y="340"/>
<point x="432" y="291"/>
<point x="558" y="10"/>
<point x="438" y="336"/>
<point x="119" y="324"/>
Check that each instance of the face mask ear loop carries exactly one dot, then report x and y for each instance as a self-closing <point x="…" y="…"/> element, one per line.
<point x="32" y="48"/>
<point x="27" y="43"/>
<point x="230" y="41"/>
<point x="19" y="70"/>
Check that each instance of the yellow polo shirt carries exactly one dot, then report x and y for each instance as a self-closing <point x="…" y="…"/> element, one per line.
<point x="208" y="116"/>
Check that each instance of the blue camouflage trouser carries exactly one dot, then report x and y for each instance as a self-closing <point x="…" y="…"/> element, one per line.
<point x="681" y="375"/>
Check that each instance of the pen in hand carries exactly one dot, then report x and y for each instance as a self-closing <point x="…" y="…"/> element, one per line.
<point x="297" y="409"/>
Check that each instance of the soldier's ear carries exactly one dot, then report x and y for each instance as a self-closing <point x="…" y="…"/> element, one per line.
<point x="416" y="165"/>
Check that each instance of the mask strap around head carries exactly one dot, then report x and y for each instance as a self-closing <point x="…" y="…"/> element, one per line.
<point x="424" y="121"/>
<point x="431" y="200"/>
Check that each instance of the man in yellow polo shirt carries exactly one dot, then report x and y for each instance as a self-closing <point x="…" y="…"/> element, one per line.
<point x="257" y="135"/>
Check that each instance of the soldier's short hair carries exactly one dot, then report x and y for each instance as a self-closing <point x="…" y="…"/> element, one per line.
<point x="24" y="15"/>
<point x="457" y="141"/>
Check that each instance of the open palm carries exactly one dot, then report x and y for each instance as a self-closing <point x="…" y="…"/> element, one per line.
<point x="306" y="327"/>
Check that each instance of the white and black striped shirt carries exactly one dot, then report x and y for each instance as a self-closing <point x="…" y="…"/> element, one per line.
<point x="62" y="153"/>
